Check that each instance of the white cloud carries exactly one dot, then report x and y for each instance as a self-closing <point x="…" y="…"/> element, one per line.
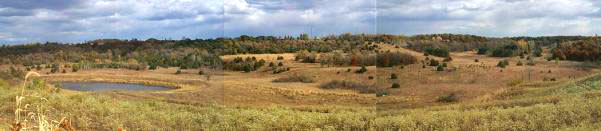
<point x="81" y="20"/>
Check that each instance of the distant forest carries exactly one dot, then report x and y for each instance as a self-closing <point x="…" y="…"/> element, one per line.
<point x="196" y="53"/>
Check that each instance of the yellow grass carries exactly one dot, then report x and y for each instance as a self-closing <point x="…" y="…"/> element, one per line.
<point x="488" y="98"/>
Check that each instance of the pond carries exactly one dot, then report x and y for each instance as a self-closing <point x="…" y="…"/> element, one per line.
<point x="102" y="86"/>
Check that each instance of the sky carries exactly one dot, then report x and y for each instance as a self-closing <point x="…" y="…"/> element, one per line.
<point x="27" y="21"/>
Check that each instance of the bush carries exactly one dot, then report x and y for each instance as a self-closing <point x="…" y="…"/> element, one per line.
<point x="503" y="63"/>
<point x="247" y="68"/>
<point x="519" y="63"/>
<point x="395" y="85"/>
<point x="306" y="57"/>
<point x="439" y="68"/>
<point x="434" y="62"/>
<point x="502" y="52"/>
<point x="295" y="78"/>
<point x="201" y="72"/>
<point x="393" y="76"/>
<point x="183" y="67"/>
<point x="280" y="64"/>
<point x="531" y="63"/>
<point x="239" y="64"/>
<point x="437" y="52"/>
<point x="584" y="50"/>
<point x="271" y="64"/>
<point x="476" y="60"/>
<point x="393" y="59"/>
<point x="448" y="59"/>
<point x="53" y="70"/>
<point x="537" y="52"/>
<point x="152" y="67"/>
<point x="447" y="98"/>
<point x="280" y="58"/>
<point x="482" y="50"/>
<point x="259" y="64"/>
<point x="370" y="77"/>
<point x="179" y="71"/>
<point x="75" y="69"/>
<point x="362" y="70"/>
<point x="337" y="84"/>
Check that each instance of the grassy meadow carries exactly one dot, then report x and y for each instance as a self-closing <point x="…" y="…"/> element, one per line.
<point x="337" y="86"/>
<point x="570" y="106"/>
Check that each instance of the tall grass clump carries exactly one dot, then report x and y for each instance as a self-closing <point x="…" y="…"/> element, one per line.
<point x="295" y="78"/>
<point x="31" y="110"/>
<point x="344" y="84"/>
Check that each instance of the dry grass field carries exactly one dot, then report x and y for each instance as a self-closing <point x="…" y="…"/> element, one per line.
<point x="419" y="87"/>
<point x="221" y="99"/>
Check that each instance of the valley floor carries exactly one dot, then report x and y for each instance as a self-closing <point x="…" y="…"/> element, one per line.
<point x="487" y="98"/>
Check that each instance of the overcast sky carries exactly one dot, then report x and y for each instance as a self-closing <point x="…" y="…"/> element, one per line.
<point x="25" y="21"/>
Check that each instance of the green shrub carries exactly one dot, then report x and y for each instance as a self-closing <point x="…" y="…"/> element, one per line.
<point x="395" y="85"/>
<point x="503" y="63"/>
<point x="362" y="70"/>
<point x="247" y="68"/>
<point x="183" y="67"/>
<point x="482" y="50"/>
<point x="437" y="52"/>
<point x="502" y="52"/>
<point x="393" y="76"/>
<point x="439" y="68"/>
<point x="447" y="98"/>
<point x="74" y="68"/>
<point x="434" y="62"/>
<point x="531" y="63"/>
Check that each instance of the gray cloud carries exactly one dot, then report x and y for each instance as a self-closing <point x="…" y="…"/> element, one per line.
<point x="43" y="4"/>
<point x="81" y="20"/>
